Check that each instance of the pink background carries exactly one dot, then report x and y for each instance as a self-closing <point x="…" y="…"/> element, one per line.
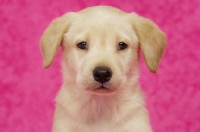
<point x="27" y="91"/>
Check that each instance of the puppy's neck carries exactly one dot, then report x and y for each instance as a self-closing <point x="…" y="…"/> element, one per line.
<point x="86" y="107"/>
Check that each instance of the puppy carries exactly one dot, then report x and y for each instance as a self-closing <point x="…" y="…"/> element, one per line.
<point x="100" y="60"/>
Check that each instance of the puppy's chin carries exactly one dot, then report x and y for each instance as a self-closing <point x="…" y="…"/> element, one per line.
<point x="96" y="88"/>
<point x="102" y="90"/>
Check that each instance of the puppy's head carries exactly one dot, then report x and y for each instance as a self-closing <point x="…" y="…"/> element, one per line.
<point x="100" y="47"/>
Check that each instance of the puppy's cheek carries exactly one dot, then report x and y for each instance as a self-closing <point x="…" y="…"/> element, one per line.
<point x="123" y="82"/>
<point x="69" y="73"/>
<point x="84" y="82"/>
<point x="119" y="77"/>
<point x="79" y="82"/>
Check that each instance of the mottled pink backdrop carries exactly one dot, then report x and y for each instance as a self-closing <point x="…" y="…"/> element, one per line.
<point x="27" y="91"/>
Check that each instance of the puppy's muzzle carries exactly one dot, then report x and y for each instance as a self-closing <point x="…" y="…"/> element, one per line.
<point x="102" y="74"/>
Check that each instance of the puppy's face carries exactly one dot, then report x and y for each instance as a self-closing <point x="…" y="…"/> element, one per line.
<point x="92" y="46"/>
<point x="100" y="47"/>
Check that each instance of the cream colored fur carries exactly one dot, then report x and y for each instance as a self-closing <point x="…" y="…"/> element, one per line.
<point x="78" y="107"/>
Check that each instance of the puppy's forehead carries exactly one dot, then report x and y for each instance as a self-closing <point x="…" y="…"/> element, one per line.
<point x="101" y="22"/>
<point x="102" y="16"/>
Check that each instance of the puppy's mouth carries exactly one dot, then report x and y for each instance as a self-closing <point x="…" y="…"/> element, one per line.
<point x="102" y="90"/>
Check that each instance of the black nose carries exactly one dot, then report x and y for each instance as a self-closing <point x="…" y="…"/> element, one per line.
<point x="102" y="74"/>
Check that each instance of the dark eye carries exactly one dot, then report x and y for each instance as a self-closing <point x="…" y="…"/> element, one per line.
<point x="82" y="45"/>
<point x="122" y="46"/>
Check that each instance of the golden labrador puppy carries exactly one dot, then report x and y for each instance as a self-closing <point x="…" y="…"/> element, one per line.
<point x="100" y="47"/>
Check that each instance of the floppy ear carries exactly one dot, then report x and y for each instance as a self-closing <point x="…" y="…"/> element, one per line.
<point x="152" y="40"/>
<point x="52" y="37"/>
